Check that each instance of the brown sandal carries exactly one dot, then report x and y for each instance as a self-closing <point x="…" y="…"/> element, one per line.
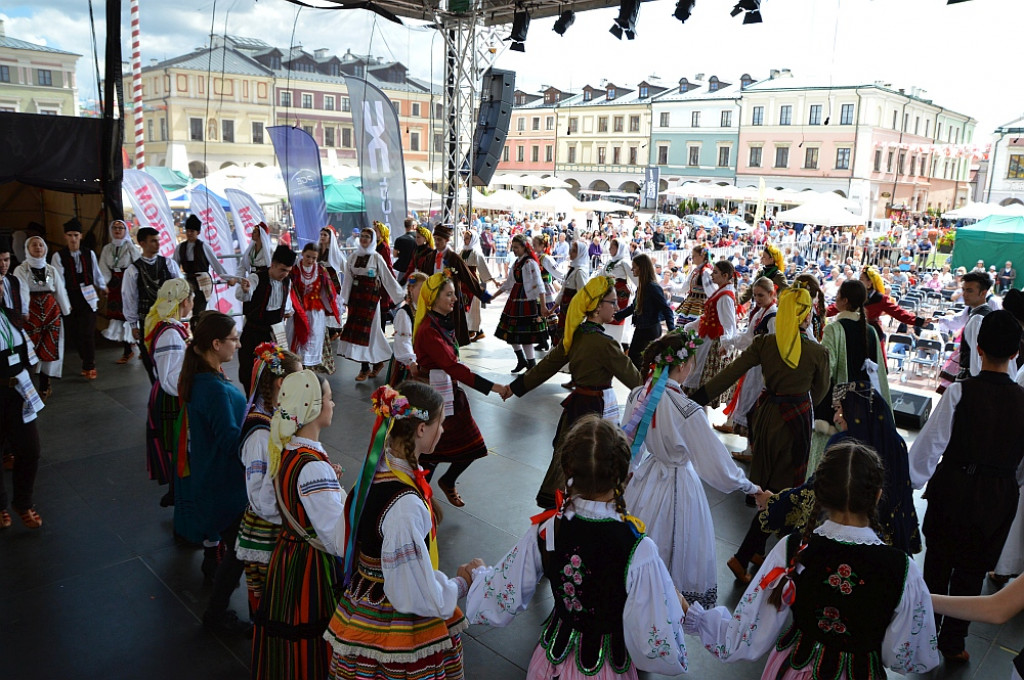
<point x="452" y="495"/>
<point x="31" y="519"/>
<point x="363" y="375"/>
<point x="5" y="520"/>
<point x="376" y="370"/>
<point x="738" y="570"/>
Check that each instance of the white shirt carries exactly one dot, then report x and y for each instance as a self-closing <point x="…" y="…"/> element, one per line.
<point x="211" y="257"/>
<point x="322" y="497"/>
<point x="130" y="287"/>
<point x="259" y="486"/>
<point x="168" y="357"/>
<point x="277" y="296"/>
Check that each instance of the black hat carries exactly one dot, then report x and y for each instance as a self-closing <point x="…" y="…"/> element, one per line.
<point x="1013" y="302"/>
<point x="35" y="228"/>
<point x="73" y="225"/>
<point x="193" y="224"/>
<point x="284" y="255"/>
<point x="999" y="335"/>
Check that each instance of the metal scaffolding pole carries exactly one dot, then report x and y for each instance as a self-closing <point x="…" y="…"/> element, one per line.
<point x="461" y="84"/>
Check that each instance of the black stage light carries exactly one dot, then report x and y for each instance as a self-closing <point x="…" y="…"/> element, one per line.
<point x="953" y="2"/>
<point x="520" y="26"/>
<point x="564" y="21"/>
<point x="626" y="21"/>
<point x="683" y="9"/>
<point x="752" y="9"/>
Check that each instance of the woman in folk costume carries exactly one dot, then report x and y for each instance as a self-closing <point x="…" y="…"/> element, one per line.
<point x="261" y="523"/>
<point x="166" y="338"/>
<point x="879" y="304"/>
<point x="773" y="266"/>
<point x="698" y="285"/>
<point x="115" y="257"/>
<point x="615" y="609"/>
<point x="858" y="606"/>
<point x="619" y="268"/>
<point x="383" y="234"/>
<point x="257" y="254"/>
<point x="855" y="356"/>
<point x="367" y="280"/>
<point x="403" y="363"/>
<point x="820" y="311"/>
<point x="288" y="638"/>
<point x="477" y="263"/>
<point x="424" y="249"/>
<point x="594" y="358"/>
<point x="717" y="328"/>
<point x="48" y="302"/>
<point x="312" y="285"/>
<point x="549" y="273"/>
<point x="796" y="376"/>
<point x="574" y="281"/>
<point x="665" y="491"/>
<point x="332" y="258"/>
<point x="437" y="357"/>
<point x="522" y="321"/>
<point x="398" y="618"/>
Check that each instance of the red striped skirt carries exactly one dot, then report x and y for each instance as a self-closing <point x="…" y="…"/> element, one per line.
<point x="43" y="325"/>
<point x="362" y="307"/>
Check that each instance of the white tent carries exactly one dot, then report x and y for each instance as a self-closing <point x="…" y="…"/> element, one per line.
<point x="822" y="210"/>
<point x="603" y="206"/>
<point x="419" y="196"/>
<point x="502" y="199"/>
<point x="556" y="201"/>
<point x="553" y="183"/>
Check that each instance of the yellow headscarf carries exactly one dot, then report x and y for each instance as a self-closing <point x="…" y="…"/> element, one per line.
<point x="584" y="302"/>
<point x="299" y="402"/>
<point x="776" y="254"/>
<point x="168" y="299"/>
<point x="428" y="294"/>
<point x="794" y="306"/>
<point x="385" y="233"/>
<point x="877" y="282"/>
<point x="425" y="233"/>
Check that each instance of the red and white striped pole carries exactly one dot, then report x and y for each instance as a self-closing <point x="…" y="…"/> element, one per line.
<point x="140" y="136"/>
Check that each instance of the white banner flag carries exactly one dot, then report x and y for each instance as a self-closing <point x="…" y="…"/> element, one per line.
<point x="246" y="213"/>
<point x="217" y="233"/>
<point x="151" y="208"/>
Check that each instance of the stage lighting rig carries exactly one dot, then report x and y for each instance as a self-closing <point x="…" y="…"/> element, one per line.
<point x="520" y="27"/>
<point x="626" y="21"/>
<point x="564" y="21"/>
<point x="752" y="9"/>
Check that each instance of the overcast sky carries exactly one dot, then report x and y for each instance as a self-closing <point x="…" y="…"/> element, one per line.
<point x="964" y="55"/>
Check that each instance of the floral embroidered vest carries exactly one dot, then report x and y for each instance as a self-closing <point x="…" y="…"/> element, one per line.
<point x="710" y="326"/>
<point x="845" y="598"/>
<point x="587" y="572"/>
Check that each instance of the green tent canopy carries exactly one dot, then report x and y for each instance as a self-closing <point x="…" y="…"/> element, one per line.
<point x="994" y="240"/>
<point x="170" y="180"/>
<point x="343" y="196"/>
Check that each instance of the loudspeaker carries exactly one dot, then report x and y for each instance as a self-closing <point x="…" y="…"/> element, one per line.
<point x="492" y="123"/>
<point x="910" y="411"/>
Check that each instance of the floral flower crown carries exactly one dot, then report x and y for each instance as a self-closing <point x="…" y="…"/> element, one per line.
<point x="691" y="341"/>
<point x="389" y="403"/>
<point x="272" y="355"/>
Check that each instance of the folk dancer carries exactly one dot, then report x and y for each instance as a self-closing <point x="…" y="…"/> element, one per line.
<point x="47" y="304"/>
<point x="84" y="282"/>
<point x="195" y="258"/>
<point x="266" y="302"/>
<point x="115" y="258"/>
<point x="140" y="285"/>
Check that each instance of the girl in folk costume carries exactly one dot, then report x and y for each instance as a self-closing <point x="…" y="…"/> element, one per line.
<point x="648" y="308"/>
<point x="716" y="327"/>
<point x="261" y="523"/>
<point x="383" y="234"/>
<point x="332" y="258"/>
<point x="620" y="269"/>
<point x="820" y="311"/>
<point x="594" y="359"/>
<point x="522" y="321"/>
<point x="796" y="376"/>
<point x="574" y="281"/>
<point x="549" y="273"/>
<point x="258" y="253"/>
<point x="288" y="640"/>
<point x="615" y="609"/>
<point x="665" y="491"/>
<point x="424" y="248"/>
<point x="403" y="363"/>
<point x="477" y="263"/>
<point x="437" y="357"/>
<point x="114" y="259"/>
<point x="773" y="266"/>
<point x="367" y="279"/>
<point x="859" y="606"/>
<point x="698" y="285"/>
<point x="166" y="338"/>
<point x="878" y="303"/>
<point x="48" y="302"/>
<point x="398" y="618"/>
<point x="314" y="288"/>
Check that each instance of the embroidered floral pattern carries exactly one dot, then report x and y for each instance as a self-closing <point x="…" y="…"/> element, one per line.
<point x="657" y="643"/>
<point x="505" y="595"/>
<point x="829" y="621"/>
<point x="572" y="579"/>
<point x="843" y="579"/>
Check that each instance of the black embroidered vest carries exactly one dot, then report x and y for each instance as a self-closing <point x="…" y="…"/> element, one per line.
<point x="73" y="280"/>
<point x="151" y="277"/>
<point x="197" y="264"/>
<point x="255" y="310"/>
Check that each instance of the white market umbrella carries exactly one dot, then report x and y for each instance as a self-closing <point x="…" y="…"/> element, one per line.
<point x="822" y="211"/>
<point x="502" y="199"/>
<point x="553" y="183"/>
<point x="603" y="206"/>
<point x="557" y="201"/>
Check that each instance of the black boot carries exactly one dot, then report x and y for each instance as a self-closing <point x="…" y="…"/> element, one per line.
<point x="212" y="556"/>
<point x="530" y="363"/>
<point x="521" y="359"/>
<point x="542" y="346"/>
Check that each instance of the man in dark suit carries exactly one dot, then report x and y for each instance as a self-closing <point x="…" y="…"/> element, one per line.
<point x="405" y="247"/>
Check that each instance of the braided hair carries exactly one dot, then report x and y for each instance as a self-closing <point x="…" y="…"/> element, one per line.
<point x="855" y="294"/>
<point x="402" y="437"/>
<point x="595" y="460"/>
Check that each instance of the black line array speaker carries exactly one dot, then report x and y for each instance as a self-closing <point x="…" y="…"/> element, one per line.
<point x="492" y="124"/>
<point x="910" y="411"/>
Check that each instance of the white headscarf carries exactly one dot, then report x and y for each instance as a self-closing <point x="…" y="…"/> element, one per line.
<point x="369" y="250"/>
<point x="118" y="242"/>
<point x="474" y="242"/>
<point x="582" y="258"/>
<point x="267" y="252"/>
<point x="36" y="262"/>
<point x="620" y="252"/>
<point x="335" y="256"/>
<point x="299" y="402"/>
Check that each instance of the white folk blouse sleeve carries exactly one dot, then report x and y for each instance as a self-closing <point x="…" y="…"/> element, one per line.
<point x="690" y="430"/>
<point x="324" y="500"/>
<point x="707" y="283"/>
<point x="507" y="284"/>
<point x="550" y="267"/>
<point x="259" y="486"/>
<point x="500" y="592"/>
<point x="215" y="264"/>
<point x="346" y="281"/>
<point x="933" y="438"/>
<point x="532" y="283"/>
<point x="652" y="619"/>
<point x="130" y="295"/>
<point x="403" y="349"/>
<point x="971" y="338"/>
<point x="411" y="584"/>
<point x="243" y="295"/>
<point x="750" y="631"/>
<point x="909" y="645"/>
<point x="727" y="316"/>
<point x="483" y="272"/>
<point x="61" y="293"/>
<point x="168" y="357"/>
<point x="388" y="280"/>
<point x="99" y="279"/>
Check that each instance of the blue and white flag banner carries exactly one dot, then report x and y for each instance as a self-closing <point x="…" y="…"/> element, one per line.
<point x="299" y="156"/>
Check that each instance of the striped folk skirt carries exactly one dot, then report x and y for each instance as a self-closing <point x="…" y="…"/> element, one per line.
<point x="522" y="320"/>
<point x="362" y="307"/>
<point x="163" y="427"/>
<point x="256" y="541"/>
<point x="461" y="441"/>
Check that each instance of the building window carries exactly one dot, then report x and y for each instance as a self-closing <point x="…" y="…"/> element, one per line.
<point x="663" y="119"/>
<point x="328" y="136"/>
<point x="414" y="141"/>
<point x="927" y="127"/>
<point x="416" y="110"/>
<point x="888" y="162"/>
<point x="917" y="126"/>
<point x="346" y="138"/>
<point x="587" y="95"/>
<point x="616" y="155"/>
<point x="814" y="116"/>
<point x="846" y="114"/>
<point x="328" y="102"/>
<point x="755" y="157"/>
<point x="534" y="154"/>
<point x="520" y="154"/>
<point x="163" y="129"/>
<point x="901" y="164"/>
<point x="257" y="133"/>
<point x="149" y="130"/>
<point x="723" y="156"/>
<point x="549" y="154"/>
<point x="906" y="122"/>
<point x="782" y="157"/>
<point x="549" y="123"/>
<point x="662" y="155"/>
<point x="632" y="155"/>
<point x="938" y="131"/>
<point x="5" y="74"/>
<point x="811" y="158"/>
<point x="757" y="115"/>
<point x="570" y="155"/>
<point x="878" y="160"/>
<point x="574" y="125"/>
<point x="439" y="111"/>
<point x="843" y="159"/>
<point x="286" y="98"/>
<point x="602" y="124"/>
<point x="611" y="93"/>
<point x="695" y="119"/>
<point x="913" y="165"/>
<point x="602" y="154"/>
<point x="308" y="129"/>
<point x="693" y="156"/>
<point x="504" y="155"/>
<point x="227" y="131"/>
<point x="726" y="118"/>
<point x="535" y="123"/>
<point x="644" y="92"/>
<point x="895" y="117"/>
<point x="634" y="123"/>
<point x="346" y="104"/>
<point x="617" y="123"/>
<point x="195" y="129"/>
<point x="786" y="115"/>
<point x="439" y="144"/>
<point x="521" y="125"/>
<point x="44" y="77"/>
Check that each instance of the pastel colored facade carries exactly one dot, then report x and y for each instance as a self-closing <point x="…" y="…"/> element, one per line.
<point x="36" y="78"/>
<point x="1005" y="181"/>
<point x="532" y="133"/>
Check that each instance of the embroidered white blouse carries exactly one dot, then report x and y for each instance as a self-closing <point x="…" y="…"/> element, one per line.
<point x="259" y="486"/>
<point x="533" y="285"/>
<point x="404" y="352"/>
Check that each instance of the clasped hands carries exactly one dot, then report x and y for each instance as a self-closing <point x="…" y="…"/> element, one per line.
<point x="504" y="391"/>
<point x="466" y="570"/>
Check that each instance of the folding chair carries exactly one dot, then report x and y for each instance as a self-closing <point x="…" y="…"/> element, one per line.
<point x="927" y="353"/>
<point x="898" y="347"/>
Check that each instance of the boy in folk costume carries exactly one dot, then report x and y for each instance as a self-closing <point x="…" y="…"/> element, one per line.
<point x="83" y="281"/>
<point x="266" y="301"/>
<point x="195" y="258"/>
<point x="141" y="284"/>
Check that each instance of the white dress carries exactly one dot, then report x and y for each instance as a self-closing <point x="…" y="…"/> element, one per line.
<point x="617" y="269"/>
<point x="753" y="381"/>
<point x="377" y="349"/>
<point x="665" y="492"/>
<point x="727" y="317"/>
<point x="114" y="259"/>
<point x="54" y="283"/>
<point x="652" y="612"/>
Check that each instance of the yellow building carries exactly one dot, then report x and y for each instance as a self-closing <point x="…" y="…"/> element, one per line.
<point x="36" y="78"/>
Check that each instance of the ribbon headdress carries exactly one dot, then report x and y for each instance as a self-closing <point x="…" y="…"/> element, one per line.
<point x="269" y="357"/>
<point x="794" y="306"/>
<point x="583" y="303"/>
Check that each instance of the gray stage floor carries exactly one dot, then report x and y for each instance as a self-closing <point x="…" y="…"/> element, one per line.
<point x="103" y="590"/>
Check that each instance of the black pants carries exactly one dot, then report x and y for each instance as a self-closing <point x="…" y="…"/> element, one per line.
<point x="943" y="576"/>
<point x="147" y="360"/>
<point x="229" y="571"/>
<point x="754" y="543"/>
<point x="641" y="338"/>
<point x="80" y="329"/>
<point x="199" y="302"/>
<point x="23" y="441"/>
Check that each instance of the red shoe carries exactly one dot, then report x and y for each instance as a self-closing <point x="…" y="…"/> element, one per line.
<point x="90" y="374"/>
<point x="126" y="358"/>
<point x="738" y="570"/>
<point x="31" y="519"/>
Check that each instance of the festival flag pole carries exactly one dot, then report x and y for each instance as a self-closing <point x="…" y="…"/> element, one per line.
<point x="140" y="139"/>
